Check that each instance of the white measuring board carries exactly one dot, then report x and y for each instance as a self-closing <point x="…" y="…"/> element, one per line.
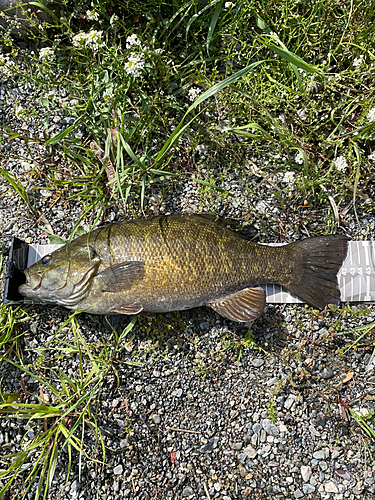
<point x="356" y="277"/>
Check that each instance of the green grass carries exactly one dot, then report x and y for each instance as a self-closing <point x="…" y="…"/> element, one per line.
<point x="288" y="81"/>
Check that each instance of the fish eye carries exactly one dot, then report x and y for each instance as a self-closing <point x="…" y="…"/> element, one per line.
<point x="47" y="259"/>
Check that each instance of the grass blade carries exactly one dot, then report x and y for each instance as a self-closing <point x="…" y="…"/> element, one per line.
<point x="213" y="23"/>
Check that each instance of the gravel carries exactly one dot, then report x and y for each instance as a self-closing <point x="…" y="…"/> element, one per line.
<point x="203" y="414"/>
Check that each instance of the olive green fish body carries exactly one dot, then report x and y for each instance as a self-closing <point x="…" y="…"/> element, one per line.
<point x="176" y="262"/>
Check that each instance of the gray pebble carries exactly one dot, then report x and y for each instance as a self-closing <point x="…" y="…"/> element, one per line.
<point x="298" y="494"/>
<point x="319" y="455"/>
<point x="118" y="470"/>
<point x="308" y="488"/>
<point x="156" y="418"/>
<point x="327" y="373"/>
<point x="187" y="491"/>
<point x="237" y="446"/>
<point x="270" y="428"/>
<point x="257" y="362"/>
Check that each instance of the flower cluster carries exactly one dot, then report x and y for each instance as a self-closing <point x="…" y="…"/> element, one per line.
<point x="229" y="5"/>
<point x="358" y="61"/>
<point x="92" y="15"/>
<point x="132" y="40"/>
<point x="134" y="64"/>
<point x="193" y="93"/>
<point x="91" y="40"/>
<point x="113" y="19"/>
<point x="6" y="65"/>
<point x="340" y="163"/>
<point x="371" y="115"/>
<point x="108" y="95"/>
<point x="372" y="156"/>
<point x="289" y="178"/>
<point x="47" y="54"/>
<point x="299" y="158"/>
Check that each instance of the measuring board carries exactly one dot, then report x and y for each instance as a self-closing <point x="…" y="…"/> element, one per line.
<point x="356" y="277"/>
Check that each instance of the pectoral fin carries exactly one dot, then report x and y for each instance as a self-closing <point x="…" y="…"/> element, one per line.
<point x="121" y="276"/>
<point x="134" y="308"/>
<point x="242" y="306"/>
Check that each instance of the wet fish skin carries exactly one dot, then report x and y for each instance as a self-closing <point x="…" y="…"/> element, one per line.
<point x="178" y="262"/>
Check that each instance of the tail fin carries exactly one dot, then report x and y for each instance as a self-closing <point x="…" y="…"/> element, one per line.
<point x="319" y="260"/>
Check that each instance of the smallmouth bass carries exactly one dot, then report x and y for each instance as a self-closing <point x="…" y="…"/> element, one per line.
<point x="178" y="262"/>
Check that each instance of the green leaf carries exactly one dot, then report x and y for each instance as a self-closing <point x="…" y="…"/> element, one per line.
<point x="178" y="131"/>
<point x="57" y="138"/>
<point x="289" y="56"/>
<point x="56" y="240"/>
<point x="213" y="23"/>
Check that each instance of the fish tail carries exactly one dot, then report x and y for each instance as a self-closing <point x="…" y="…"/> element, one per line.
<point x="317" y="261"/>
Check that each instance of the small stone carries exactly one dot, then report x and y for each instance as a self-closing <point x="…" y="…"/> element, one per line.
<point x="327" y="373"/>
<point x="257" y="362"/>
<point x="313" y="431"/>
<point x="306" y="473"/>
<point x="242" y="470"/>
<point x="290" y="401"/>
<point x="118" y="470"/>
<point x="343" y="474"/>
<point x="308" y="488"/>
<point x="257" y="428"/>
<point x="320" y="421"/>
<point x="298" y="494"/>
<point x="283" y="428"/>
<point x="250" y="452"/>
<point x="270" y="428"/>
<point x="323" y="465"/>
<point x="330" y="487"/>
<point x="236" y="446"/>
<point x="210" y="445"/>
<point x="156" y="418"/>
<point x="204" y="325"/>
<point x="187" y="491"/>
<point x="319" y="455"/>
<point x="271" y="381"/>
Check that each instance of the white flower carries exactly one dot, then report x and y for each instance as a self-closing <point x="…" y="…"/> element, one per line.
<point x="229" y="5"/>
<point x="340" y="163"/>
<point x="372" y="156"/>
<point x="6" y="65"/>
<point x="92" y="15"/>
<point x="358" y="60"/>
<point x="371" y="115"/>
<point x="158" y="51"/>
<point x="94" y="39"/>
<point x="193" y="93"/>
<point x="134" y="64"/>
<point x="289" y="178"/>
<point x="91" y="40"/>
<point x="113" y="19"/>
<point x="108" y="94"/>
<point x="132" y="40"/>
<point x="299" y="158"/>
<point x="47" y="54"/>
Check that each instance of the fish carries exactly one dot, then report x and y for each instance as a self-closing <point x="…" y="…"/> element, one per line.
<point x="177" y="262"/>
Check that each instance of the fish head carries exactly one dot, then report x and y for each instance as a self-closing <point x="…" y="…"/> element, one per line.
<point x="63" y="277"/>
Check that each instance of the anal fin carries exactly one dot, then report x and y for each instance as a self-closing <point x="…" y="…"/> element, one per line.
<point x="129" y="309"/>
<point x="242" y="306"/>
